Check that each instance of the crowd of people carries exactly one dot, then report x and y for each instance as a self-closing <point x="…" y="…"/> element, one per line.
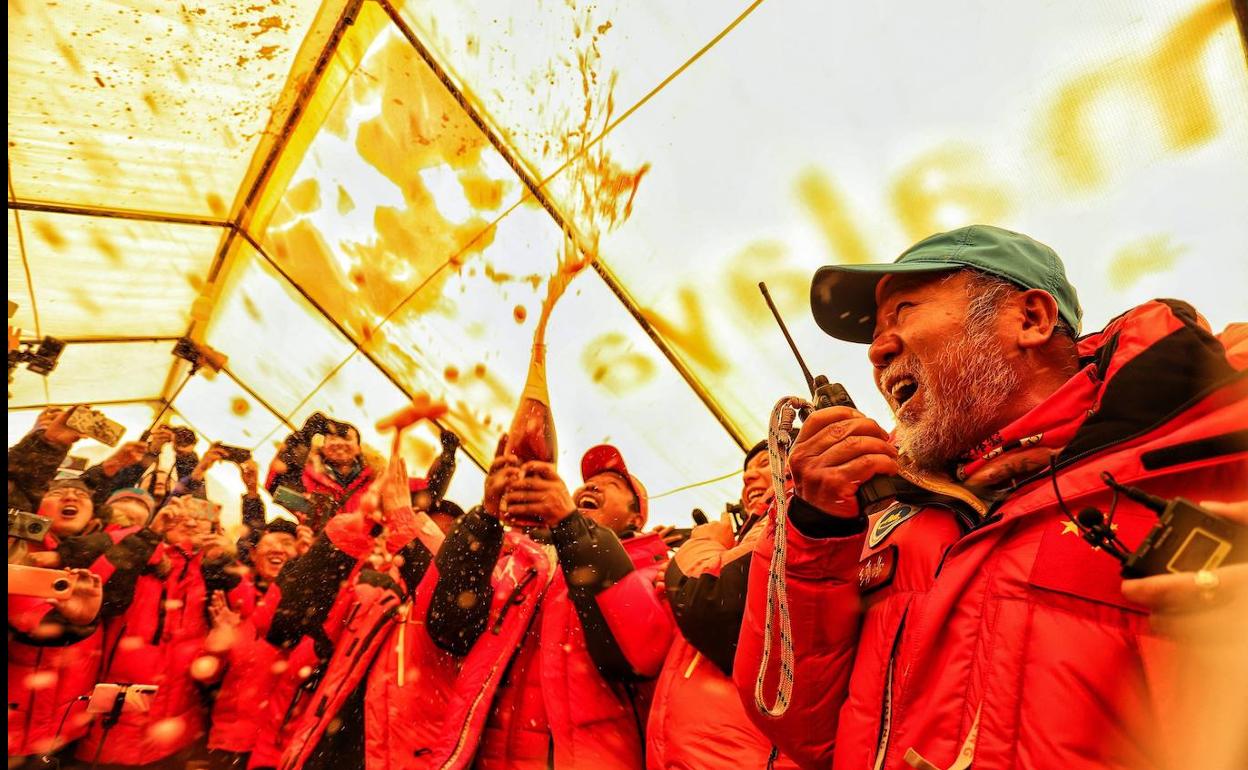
<point x="916" y="598"/>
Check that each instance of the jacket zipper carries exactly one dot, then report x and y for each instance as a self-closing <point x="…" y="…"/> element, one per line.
<point x="400" y="648"/>
<point x="463" y="730"/>
<point x="322" y="706"/>
<point x="513" y="599"/>
<point x="886" y="706"/>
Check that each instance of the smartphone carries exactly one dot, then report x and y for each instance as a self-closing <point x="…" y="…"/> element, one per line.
<point x="71" y="463"/>
<point x="291" y="500"/>
<point x="136" y="698"/>
<point x="235" y="454"/>
<point x="37" y="581"/>
<point x="204" y="510"/>
<point x="28" y="526"/>
<point x="44" y="359"/>
<point x="91" y="423"/>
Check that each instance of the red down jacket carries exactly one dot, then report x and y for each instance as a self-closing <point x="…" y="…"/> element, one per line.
<point x="357" y="621"/>
<point x="697" y="720"/>
<point x="1004" y="636"/>
<point x="558" y="634"/>
<point x="251" y="668"/>
<point x="155" y="642"/>
<point x="47" y="676"/>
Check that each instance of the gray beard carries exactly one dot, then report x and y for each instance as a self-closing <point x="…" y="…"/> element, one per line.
<point x="968" y="383"/>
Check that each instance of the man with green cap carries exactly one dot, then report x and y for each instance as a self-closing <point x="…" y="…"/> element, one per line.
<point x="957" y="616"/>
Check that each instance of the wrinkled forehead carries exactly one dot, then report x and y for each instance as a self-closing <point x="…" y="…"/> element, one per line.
<point x="905" y="283"/>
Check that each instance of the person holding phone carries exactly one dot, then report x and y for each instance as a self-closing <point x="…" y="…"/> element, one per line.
<point x="34" y="460"/>
<point x="326" y="463"/>
<point x="161" y="634"/>
<point x="350" y="604"/>
<point x="55" y="643"/>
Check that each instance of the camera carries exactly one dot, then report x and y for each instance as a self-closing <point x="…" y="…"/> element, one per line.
<point x="46" y="356"/>
<point x="108" y="697"/>
<point x="28" y="526"/>
<point x="235" y="454"/>
<point x="89" y="422"/>
<point x="40" y="582"/>
<point x="199" y="355"/>
<point x="1186" y="537"/>
<point x="41" y="359"/>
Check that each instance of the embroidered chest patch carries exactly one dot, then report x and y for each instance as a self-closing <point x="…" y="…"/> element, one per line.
<point x="877" y="570"/>
<point x="889" y="520"/>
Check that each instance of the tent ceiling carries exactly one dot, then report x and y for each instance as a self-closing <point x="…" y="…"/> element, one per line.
<point x="357" y="202"/>
<point x="145" y="106"/>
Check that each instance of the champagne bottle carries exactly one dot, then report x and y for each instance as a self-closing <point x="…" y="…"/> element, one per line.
<point x="443" y="468"/>
<point x="532" y="434"/>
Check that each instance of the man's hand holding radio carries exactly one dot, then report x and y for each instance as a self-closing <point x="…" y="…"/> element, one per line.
<point x="836" y="451"/>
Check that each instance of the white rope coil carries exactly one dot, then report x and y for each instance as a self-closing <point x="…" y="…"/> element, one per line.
<point x="779" y="436"/>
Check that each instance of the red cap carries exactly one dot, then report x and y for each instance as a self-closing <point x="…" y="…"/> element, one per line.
<point x="606" y="458"/>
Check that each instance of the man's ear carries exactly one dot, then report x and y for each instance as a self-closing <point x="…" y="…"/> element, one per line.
<point x="1038" y="315"/>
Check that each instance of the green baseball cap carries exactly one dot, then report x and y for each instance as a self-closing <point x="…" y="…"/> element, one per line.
<point x="842" y="297"/>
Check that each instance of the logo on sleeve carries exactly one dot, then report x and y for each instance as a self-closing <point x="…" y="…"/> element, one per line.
<point x="889" y="520"/>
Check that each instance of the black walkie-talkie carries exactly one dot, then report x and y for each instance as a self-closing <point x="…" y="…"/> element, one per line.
<point x="827" y="394"/>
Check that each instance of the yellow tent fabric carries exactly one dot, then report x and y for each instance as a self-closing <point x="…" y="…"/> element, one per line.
<point x="362" y="201"/>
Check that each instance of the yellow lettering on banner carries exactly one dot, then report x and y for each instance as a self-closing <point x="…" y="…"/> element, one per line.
<point x="1169" y="78"/>
<point x="824" y="202"/>
<point x="615" y="365"/>
<point x="692" y="336"/>
<point x="945" y="188"/>
<point x="788" y="284"/>
<point x="1137" y="259"/>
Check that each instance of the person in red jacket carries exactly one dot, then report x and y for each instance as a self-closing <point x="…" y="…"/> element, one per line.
<point x="54" y="648"/>
<point x="159" y="638"/>
<point x="325" y="463"/>
<point x="697" y="720"/>
<point x="345" y="610"/>
<point x="556" y="628"/>
<point x="237" y="650"/>
<point x="949" y="613"/>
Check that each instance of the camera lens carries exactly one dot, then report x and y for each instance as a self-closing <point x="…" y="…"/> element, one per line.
<point x="36" y="527"/>
<point x="60" y="585"/>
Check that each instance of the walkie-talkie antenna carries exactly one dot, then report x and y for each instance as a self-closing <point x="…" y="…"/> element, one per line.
<point x="810" y="381"/>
